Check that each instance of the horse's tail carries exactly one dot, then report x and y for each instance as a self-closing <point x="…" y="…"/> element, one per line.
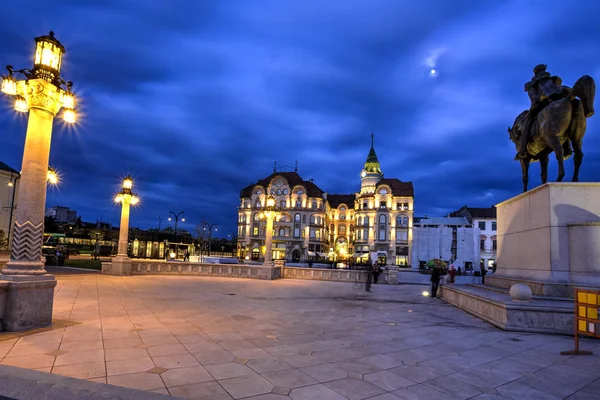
<point x="585" y="89"/>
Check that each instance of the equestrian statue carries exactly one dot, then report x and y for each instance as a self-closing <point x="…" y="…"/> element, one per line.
<point x="555" y="121"/>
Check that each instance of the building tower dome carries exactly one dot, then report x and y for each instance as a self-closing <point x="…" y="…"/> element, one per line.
<point x="371" y="174"/>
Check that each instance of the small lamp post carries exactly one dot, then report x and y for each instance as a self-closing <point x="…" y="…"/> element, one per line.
<point x="176" y="216"/>
<point x="42" y="93"/>
<point x="269" y="213"/>
<point x="127" y="198"/>
<point x="209" y="228"/>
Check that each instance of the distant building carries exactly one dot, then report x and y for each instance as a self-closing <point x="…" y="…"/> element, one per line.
<point x="451" y="239"/>
<point x="485" y="220"/>
<point x="62" y="214"/>
<point x="9" y="183"/>
<point x="372" y="223"/>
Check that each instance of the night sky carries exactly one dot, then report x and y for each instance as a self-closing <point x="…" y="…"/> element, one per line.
<point x="197" y="99"/>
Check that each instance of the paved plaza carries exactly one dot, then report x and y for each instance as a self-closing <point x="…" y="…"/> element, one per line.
<point x="224" y="338"/>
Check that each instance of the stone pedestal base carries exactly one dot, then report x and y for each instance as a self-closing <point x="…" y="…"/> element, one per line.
<point x="28" y="301"/>
<point x="391" y="275"/>
<point x="120" y="266"/>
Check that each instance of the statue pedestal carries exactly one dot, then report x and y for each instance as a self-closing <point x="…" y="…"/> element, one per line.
<point x="119" y="266"/>
<point x="28" y="301"/>
<point x="549" y="238"/>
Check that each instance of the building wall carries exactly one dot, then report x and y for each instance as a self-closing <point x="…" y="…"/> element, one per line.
<point x="436" y="242"/>
<point x="488" y="253"/>
<point x="6" y="203"/>
<point x="61" y="214"/>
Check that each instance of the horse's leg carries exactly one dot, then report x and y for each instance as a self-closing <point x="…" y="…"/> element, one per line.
<point x="555" y="145"/>
<point x="525" y="172"/>
<point x="544" y="168"/>
<point x="576" y="132"/>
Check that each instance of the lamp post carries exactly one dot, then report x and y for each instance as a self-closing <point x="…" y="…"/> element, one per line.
<point x="269" y="214"/>
<point x="127" y="198"/>
<point x="209" y="227"/>
<point x="176" y="216"/>
<point x="41" y="94"/>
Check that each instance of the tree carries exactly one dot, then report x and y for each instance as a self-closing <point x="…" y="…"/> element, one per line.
<point x="96" y="235"/>
<point x="50" y="225"/>
<point x="202" y="238"/>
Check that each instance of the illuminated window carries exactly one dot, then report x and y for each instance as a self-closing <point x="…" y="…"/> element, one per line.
<point x="297" y="217"/>
<point x="382" y="227"/>
<point x="342" y="229"/>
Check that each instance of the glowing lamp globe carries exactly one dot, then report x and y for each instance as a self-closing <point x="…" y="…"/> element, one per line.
<point x="52" y="176"/>
<point x="21" y="104"/>
<point x="48" y="57"/>
<point x="127" y="183"/>
<point x="135" y="200"/>
<point x="118" y="198"/>
<point x="9" y="85"/>
<point x="270" y="202"/>
<point x="68" y="100"/>
<point x="69" y="116"/>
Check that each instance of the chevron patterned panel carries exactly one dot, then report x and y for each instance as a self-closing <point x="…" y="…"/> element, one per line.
<point x="27" y="241"/>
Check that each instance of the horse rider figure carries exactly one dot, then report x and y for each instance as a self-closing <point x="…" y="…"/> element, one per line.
<point x="542" y="89"/>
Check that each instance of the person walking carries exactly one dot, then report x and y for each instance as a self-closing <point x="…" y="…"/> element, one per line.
<point x="483" y="272"/>
<point x="436" y="274"/>
<point x="186" y="256"/>
<point x="369" y="271"/>
<point x="376" y="272"/>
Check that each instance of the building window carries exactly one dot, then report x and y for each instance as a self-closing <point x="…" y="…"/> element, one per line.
<point x="402" y="220"/>
<point x="304" y="218"/>
<point x="296" y="232"/>
<point x="342" y="229"/>
<point x="359" y="234"/>
<point x="281" y="232"/>
<point x="282" y="203"/>
<point x="312" y="233"/>
<point x="257" y="203"/>
<point x="482" y="244"/>
<point x="482" y="225"/>
<point x="312" y="219"/>
<point x="401" y="234"/>
<point x="318" y="234"/>
<point x="298" y="203"/>
<point x="365" y="205"/>
<point x="359" y="223"/>
<point x="285" y="191"/>
<point x="314" y="204"/>
<point x="494" y="244"/>
<point x="382" y="227"/>
<point x="493" y="225"/>
<point x="255" y="231"/>
<point x="297" y="217"/>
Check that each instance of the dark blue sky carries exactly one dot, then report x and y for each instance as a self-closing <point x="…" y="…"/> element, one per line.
<point x="196" y="99"/>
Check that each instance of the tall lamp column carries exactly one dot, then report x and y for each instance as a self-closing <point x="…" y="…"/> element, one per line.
<point x="269" y="214"/>
<point x="127" y="198"/>
<point x="42" y="94"/>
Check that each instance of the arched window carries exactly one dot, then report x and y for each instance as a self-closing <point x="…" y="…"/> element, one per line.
<point x="257" y="205"/>
<point x="359" y="221"/>
<point x="312" y="219"/>
<point x="255" y="217"/>
<point x="366" y="228"/>
<point x="366" y="221"/>
<point x="342" y="229"/>
<point x="297" y="217"/>
<point x="281" y="232"/>
<point x="382" y="227"/>
<point x="402" y="228"/>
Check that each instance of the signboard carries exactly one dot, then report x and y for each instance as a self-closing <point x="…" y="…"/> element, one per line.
<point x="587" y="303"/>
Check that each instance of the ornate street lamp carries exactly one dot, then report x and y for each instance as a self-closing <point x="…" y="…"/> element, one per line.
<point x="176" y="216"/>
<point x="269" y="213"/>
<point x="42" y="93"/>
<point x="127" y="198"/>
<point x="209" y="228"/>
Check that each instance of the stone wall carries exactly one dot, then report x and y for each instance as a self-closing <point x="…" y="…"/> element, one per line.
<point x="325" y="274"/>
<point x="180" y="268"/>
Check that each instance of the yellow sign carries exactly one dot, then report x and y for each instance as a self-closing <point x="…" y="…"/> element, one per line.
<point x="587" y="323"/>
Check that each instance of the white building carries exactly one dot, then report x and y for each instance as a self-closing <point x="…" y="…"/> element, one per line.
<point x="62" y="214"/>
<point x="453" y="240"/>
<point x="485" y="220"/>
<point x="9" y="182"/>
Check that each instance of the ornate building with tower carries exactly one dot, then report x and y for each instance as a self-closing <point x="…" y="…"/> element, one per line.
<point x="374" y="223"/>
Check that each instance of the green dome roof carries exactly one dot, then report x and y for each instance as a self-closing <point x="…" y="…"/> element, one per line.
<point x="372" y="163"/>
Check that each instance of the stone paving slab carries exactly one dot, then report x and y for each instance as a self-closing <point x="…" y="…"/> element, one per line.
<point x="227" y="338"/>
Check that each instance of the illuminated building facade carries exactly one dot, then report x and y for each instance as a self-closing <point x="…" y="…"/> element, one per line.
<point x="374" y="223"/>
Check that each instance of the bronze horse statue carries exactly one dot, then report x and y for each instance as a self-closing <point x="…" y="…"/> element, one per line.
<point x="559" y="124"/>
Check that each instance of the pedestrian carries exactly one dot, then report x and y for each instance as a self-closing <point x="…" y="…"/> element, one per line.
<point x="452" y="273"/>
<point x="369" y="270"/>
<point x="436" y="274"/>
<point x="459" y="271"/>
<point x="483" y="273"/>
<point x="186" y="255"/>
<point x="376" y="272"/>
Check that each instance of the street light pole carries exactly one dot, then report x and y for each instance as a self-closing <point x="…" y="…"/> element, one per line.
<point x="209" y="227"/>
<point x="127" y="198"/>
<point x="176" y="216"/>
<point x="42" y="94"/>
<point x="269" y="214"/>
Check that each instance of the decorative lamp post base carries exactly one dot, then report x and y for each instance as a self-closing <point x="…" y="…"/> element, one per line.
<point x="28" y="301"/>
<point x="119" y="265"/>
<point x="28" y="268"/>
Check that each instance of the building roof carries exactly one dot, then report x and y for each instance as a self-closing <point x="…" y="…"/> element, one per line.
<point x="372" y="163"/>
<point x="335" y="200"/>
<point x="293" y="179"/>
<point x="454" y="221"/>
<point x="5" y="167"/>
<point x="476" y="212"/>
<point x="398" y="187"/>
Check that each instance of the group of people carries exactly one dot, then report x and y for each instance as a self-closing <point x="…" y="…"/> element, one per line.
<point x="437" y="273"/>
<point x="373" y="272"/>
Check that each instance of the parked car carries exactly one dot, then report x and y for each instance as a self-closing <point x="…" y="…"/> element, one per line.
<point x="54" y="255"/>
